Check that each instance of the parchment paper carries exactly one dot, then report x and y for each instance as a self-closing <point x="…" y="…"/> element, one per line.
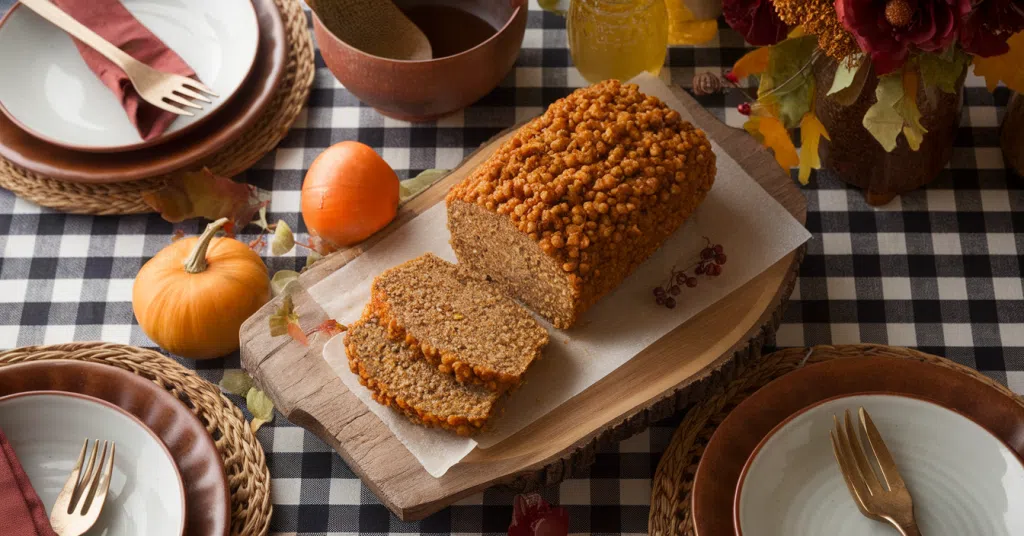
<point x="755" y="230"/>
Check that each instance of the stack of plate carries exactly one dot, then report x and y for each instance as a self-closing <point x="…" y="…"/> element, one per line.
<point x="168" y="477"/>
<point x="769" y="468"/>
<point x="60" y="121"/>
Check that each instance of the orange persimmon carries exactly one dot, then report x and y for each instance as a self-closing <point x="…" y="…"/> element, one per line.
<point x="349" y="193"/>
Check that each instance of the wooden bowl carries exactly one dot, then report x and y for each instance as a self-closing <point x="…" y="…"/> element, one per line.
<point x="426" y="90"/>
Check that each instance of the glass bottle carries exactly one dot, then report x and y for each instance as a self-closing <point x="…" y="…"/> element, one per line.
<point x="617" y="38"/>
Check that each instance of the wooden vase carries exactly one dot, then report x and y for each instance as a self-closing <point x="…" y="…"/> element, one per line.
<point x="856" y="157"/>
<point x="1013" y="134"/>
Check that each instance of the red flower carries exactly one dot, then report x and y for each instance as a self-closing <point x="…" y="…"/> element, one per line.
<point x="533" y="516"/>
<point x="756" y="20"/>
<point x="888" y="30"/>
<point x="990" y="24"/>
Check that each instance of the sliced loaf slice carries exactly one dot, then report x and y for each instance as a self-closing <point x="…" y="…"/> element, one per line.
<point x="462" y="324"/>
<point x="399" y="378"/>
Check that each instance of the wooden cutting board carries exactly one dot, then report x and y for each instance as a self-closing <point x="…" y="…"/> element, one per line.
<point x="661" y="380"/>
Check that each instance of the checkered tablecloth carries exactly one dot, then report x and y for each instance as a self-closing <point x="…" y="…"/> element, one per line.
<point x="939" y="269"/>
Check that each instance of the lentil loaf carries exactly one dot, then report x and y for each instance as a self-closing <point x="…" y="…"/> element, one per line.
<point x="461" y="324"/>
<point x="571" y="204"/>
<point x="397" y="377"/>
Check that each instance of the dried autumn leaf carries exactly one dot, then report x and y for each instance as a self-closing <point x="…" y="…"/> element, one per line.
<point x="1006" y="67"/>
<point x="907" y="108"/>
<point x="284" y="240"/>
<point x="261" y="221"/>
<point x="295" y="332"/>
<point x="882" y="120"/>
<point x="330" y="327"/>
<point x="811" y="132"/>
<point x="753" y="62"/>
<point x="284" y="282"/>
<point x="261" y="407"/>
<point x="311" y="259"/>
<point x="201" y="194"/>
<point x="848" y="82"/>
<point x="772" y="134"/>
<point x="283" y="318"/>
<point x="409" y="189"/>
<point x="236" y="382"/>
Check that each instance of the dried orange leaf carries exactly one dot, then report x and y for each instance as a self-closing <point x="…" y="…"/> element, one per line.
<point x="770" y="132"/>
<point x="811" y="132"/>
<point x="330" y="327"/>
<point x="202" y="194"/>
<point x="1006" y="67"/>
<point x="295" y="332"/>
<point x="284" y="321"/>
<point x="753" y="62"/>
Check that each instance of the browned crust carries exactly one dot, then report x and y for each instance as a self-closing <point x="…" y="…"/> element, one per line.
<point x="459" y="424"/>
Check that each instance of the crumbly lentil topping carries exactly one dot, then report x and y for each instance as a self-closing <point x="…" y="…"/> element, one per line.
<point x="582" y="177"/>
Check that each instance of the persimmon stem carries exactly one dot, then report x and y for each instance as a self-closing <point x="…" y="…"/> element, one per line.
<point x="196" y="261"/>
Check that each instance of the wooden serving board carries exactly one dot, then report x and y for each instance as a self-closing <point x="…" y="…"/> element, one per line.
<point x="662" y="379"/>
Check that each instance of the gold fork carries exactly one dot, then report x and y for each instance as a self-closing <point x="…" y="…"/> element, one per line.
<point x="891" y="502"/>
<point x="157" y="88"/>
<point x="80" y="502"/>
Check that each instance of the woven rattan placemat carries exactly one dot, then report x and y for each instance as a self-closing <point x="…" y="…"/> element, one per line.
<point x="670" y="491"/>
<point x="244" y="462"/>
<point x="237" y="156"/>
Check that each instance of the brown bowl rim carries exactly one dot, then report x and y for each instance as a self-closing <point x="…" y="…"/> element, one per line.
<point x="143" y="144"/>
<point x="498" y="32"/>
<point x="138" y="422"/>
<point x="764" y="440"/>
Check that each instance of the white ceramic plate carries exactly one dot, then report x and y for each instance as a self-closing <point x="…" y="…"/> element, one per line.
<point x="962" y="478"/>
<point x="47" y="89"/>
<point x="46" y="430"/>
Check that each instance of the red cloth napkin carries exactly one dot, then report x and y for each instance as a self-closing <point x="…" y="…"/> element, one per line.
<point x="21" y="511"/>
<point x="110" y="19"/>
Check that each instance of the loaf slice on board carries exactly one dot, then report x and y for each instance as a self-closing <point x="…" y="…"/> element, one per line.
<point x="461" y="324"/>
<point x="570" y="205"/>
<point x="399" y="378"/>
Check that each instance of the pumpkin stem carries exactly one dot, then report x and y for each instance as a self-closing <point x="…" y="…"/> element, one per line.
<point x="196" y="261"/>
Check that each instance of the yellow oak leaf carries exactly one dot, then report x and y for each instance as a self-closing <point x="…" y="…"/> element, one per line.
<point x="753" y="62"/>
<point x="1006" y="67"/>
<point x="907" y="108"/>
<point x="811" y="132"/>
<point x="772" y="134"/>
<point x="684" y="28"/>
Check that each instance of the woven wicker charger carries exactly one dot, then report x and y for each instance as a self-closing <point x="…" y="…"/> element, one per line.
<point x="670" y="491"/>
<point x="246" y="467"/>
<point x="237" y="156"/>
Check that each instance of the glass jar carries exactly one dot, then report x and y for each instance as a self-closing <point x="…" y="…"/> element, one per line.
<point x="617" y="38"/>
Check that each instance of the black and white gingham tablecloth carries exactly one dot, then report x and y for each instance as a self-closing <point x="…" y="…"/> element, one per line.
<point x="939" y="269"/>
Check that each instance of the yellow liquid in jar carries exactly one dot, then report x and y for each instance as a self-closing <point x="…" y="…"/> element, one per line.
<point x="617" y="38"/>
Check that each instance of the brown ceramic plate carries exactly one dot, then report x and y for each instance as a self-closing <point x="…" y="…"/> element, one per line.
<point x="231" y="121"/>
<point x="727" y="452"/>
<point x="207" y="496"/>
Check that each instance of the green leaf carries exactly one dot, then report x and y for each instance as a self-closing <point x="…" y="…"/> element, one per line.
<point x="284" y="240"/>
<point x="284" y="282"/>
<point x="896" y="111"/>
<point x="311" y="259"/>
<point x="261" y="407"/>
<point x="882" y="120"/>
<point x="943" y="70"/>
<point x="261" y="222"/>
<point x="236" y="382"/>
<point x="849" y="80"/>
<point x="787" y="87"/>
<point x="409" y="189"/>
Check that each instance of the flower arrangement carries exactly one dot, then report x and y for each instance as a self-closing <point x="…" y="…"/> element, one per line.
<point x="909" y="44"/>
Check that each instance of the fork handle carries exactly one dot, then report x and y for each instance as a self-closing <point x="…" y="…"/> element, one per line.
<point x="76" y="29"/>
<point x="907" y="529"/>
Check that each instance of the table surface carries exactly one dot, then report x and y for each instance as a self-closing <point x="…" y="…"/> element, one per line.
<point x="938" y="269"/>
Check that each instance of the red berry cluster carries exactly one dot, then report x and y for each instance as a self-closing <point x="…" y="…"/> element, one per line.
<point x="712" y="258"/>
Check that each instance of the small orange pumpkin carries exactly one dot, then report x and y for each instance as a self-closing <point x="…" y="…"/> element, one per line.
<point x="192" y="297"/>
<point x="348" y="194"/>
